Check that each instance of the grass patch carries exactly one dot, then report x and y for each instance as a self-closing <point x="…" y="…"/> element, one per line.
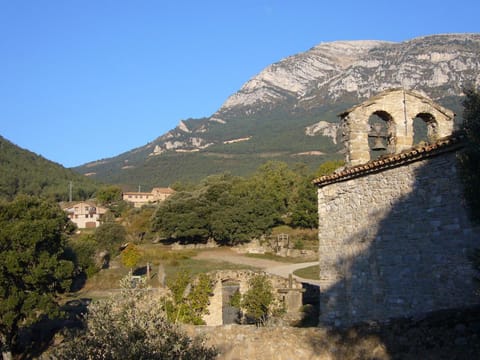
<point x="311" y="272"/>
<point x="196" y="266"/>
<point x="158" y="254"/>
<point x="108" y="280"/>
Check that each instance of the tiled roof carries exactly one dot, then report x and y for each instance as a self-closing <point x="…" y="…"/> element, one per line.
<point x="416" y="153"/>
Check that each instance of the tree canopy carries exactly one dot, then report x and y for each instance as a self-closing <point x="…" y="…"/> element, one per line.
<point x="32" y="267"/>
<point x="232" y="209"/>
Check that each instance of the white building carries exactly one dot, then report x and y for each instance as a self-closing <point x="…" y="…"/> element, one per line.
<point x="85" y="214"/>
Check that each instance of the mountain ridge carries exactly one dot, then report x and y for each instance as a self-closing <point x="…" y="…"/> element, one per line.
<point x="295" y="102"/>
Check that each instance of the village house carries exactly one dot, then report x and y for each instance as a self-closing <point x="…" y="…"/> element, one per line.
<point x="144" y="198"/>
<point x="85" y="214"/>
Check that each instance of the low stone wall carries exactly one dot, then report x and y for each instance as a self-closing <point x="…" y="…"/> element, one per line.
<point x="255" y="247"/>
<point x="453" y="334"/>
<point x="211" y="244"/>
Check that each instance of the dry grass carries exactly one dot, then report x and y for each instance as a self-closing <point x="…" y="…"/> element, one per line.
<point x="107" y="281"/>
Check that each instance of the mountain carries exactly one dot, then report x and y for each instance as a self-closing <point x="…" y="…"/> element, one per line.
<point x="24" y="172"/>
<point x="289" y="110"/>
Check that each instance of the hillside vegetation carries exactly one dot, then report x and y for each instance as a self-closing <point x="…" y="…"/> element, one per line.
<point x="24" y="172"/>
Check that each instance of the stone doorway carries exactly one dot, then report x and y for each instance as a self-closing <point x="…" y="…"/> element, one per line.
<point x="230" y="313"/>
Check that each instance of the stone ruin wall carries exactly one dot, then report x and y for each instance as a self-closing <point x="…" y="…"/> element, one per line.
<point x="286" y="291"/>
<point x="395" y="243"/>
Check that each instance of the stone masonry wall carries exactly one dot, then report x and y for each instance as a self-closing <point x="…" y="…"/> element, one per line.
<point x="395" y="243"/>
<point x="287" y="292"/>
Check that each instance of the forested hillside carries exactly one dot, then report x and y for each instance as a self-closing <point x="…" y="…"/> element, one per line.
<point x="24" y="172"/>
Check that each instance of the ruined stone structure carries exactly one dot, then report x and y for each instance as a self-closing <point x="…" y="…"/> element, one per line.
<point x="288" y="292"/>
<point x="394" y="232"/>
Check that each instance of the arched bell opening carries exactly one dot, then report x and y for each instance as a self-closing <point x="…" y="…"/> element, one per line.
<point x="425" y="129"/>
<point x="381" y="134"/>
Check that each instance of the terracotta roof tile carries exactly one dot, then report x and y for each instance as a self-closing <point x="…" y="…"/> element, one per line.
<point x="419" y="152"/>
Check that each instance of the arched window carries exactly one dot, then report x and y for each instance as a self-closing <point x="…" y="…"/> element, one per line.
<point x="424" y="128"/>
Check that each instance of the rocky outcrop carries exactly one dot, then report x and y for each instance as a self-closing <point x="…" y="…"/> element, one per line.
<point x="330" y="71"/>
<point x="324" y="128"/>
<point x="298" y="74"/>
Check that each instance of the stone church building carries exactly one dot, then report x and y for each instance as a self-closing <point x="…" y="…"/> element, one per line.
<point x="394" y="230"/>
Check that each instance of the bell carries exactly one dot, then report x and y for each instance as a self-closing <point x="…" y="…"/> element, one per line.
<point x="378" y="145"/>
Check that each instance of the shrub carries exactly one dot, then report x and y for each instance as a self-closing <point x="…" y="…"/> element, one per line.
<point x="131" y="326"/>
<point x="258" y="302"/>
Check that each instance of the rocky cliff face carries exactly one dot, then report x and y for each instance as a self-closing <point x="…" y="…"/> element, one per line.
<point x="438" y="65"/>
<point x="298" y="75"/>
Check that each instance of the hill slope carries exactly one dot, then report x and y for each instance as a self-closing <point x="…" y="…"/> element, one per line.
<point x="23" y="172"/>
<point x="289" y="110"/>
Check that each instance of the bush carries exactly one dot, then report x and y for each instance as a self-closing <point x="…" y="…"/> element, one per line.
<point x="83" y="252"/>
<point x="299" y="244"/>
<point x="258" y="302"/>
<point x="132" y="326"/>
<point x="109" y="236"/>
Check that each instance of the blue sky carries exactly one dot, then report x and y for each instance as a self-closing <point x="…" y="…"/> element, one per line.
<point x="86" y="80"/>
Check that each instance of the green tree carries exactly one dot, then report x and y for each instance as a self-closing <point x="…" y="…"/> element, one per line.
<point x="32" y="267"/>
<point x="108" y="195"/>
<point x="131" y="327"/>
<point x="304" y="208"/>
<point x="82" y="252"/>
<point x="223" y="207"/>
<point x="232" y="210"/>
<point x="328" y="167"/>
<point x="138" y="223"/>
<point x="109" y="236"/>
<point x="258" y="299"/>
<point x="273" y="181"/>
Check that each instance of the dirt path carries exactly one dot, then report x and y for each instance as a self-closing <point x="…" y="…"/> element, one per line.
<point x="270" y="266"/>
